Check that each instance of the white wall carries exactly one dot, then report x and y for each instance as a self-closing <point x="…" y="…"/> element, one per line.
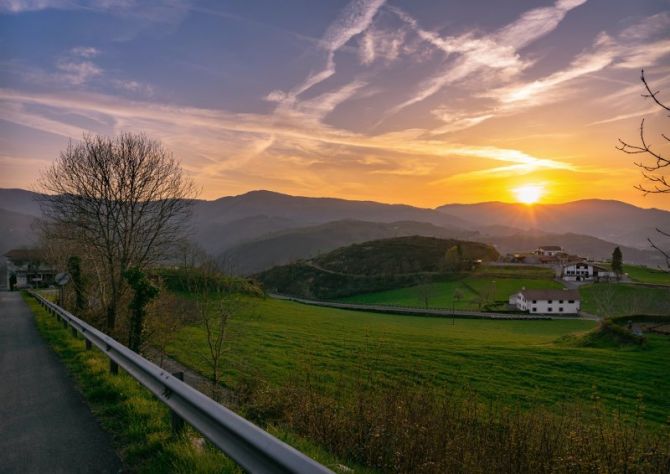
<point x="560" y="306"/>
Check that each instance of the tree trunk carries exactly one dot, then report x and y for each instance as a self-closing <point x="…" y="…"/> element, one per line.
<point x="136" y="330"/>
<point x="111" y="314"/>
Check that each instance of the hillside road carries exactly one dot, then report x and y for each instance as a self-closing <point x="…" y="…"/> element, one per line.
<point x="45" y="425"/>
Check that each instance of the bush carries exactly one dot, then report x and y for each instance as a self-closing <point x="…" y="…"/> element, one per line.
<point x="425" y="431"/>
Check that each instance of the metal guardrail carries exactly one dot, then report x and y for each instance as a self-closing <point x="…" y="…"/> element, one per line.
<point x="252" y="448"/>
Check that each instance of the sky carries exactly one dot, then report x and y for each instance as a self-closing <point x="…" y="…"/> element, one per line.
<point x="420" y="102"/>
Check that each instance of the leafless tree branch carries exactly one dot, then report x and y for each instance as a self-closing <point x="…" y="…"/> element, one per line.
<point x="124" y="199"/>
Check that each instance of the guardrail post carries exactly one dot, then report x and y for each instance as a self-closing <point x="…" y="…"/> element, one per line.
<point x="74" y="332"/>
<point x="177" y="421"/>
<point x="113" y="367"/>
<point x="65" y="323"/>
<point x="88" y="344"/>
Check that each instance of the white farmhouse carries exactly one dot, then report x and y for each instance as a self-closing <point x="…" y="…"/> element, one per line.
<point x="549" y="250"/>
<point x="548" y="301"/>
<point x="584" y="271"/>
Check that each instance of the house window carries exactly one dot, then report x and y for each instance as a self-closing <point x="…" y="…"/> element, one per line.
<point x="549" y="309"/>
<point x="550" y="301"/>
<point x="571" y="301"/>
<point x="534" y="310"/>
<point x="560" y="309"/>
<point x="560" y="301"/>
<point x="534" y="301"/>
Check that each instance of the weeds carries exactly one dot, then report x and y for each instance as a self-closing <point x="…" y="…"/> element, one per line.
<point x="426" y="431"/>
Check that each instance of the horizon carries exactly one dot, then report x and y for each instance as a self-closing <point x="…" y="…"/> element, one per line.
<point x="395" y="203"/>
<point x="368" y="100"/>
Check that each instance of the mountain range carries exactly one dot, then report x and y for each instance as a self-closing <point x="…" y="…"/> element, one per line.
<point x="257" y="230"/>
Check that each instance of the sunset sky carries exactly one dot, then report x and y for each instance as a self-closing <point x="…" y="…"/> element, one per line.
<point x="421" y="102"/>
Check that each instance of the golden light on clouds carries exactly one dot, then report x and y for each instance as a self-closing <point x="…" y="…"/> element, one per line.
<point x="529" y="193"/>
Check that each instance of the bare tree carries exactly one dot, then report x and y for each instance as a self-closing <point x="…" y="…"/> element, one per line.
<point x="215" y="307"/>
<point x="425" y="291"/>
<point x="654" y="164"/>
<point x="166" y="316"/>
<point x="124" y="200"/>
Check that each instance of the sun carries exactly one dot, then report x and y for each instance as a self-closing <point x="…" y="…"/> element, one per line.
<point x="529" y="193"/>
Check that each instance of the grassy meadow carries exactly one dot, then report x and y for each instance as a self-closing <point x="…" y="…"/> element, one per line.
<point x="647" y="275"/>
<point x="619" y="299"/>
<point x="489" y="285"/>
<point x="526" y="363"/>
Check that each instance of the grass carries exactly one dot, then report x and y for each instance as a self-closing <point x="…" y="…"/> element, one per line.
<point x="647" y="275"/>
<point x="619" y="299"/>
<point x="476" y="289"/>
<point x="512" y="362"/>
<point x="138" y="422"/>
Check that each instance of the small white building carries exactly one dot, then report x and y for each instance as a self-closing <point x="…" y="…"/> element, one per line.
<point x="549" y="250"/>
<point x="549" y="301"/>
<point x="29" y="268"/>
<point x="584" y="271"/>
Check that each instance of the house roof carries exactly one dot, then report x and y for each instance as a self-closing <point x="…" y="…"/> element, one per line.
<point x="25" y="255"/>
<point x="550" y="294"/>
<point x="550" y="247"/>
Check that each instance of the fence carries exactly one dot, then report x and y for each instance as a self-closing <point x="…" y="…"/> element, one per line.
<point x="248" y="445"/>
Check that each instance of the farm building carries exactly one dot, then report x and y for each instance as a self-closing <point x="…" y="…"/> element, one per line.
<point x="549" y="250"/>
<point x="29" y="268"/>
<point x="584" y="271"/>
<point x="548" y="301"/>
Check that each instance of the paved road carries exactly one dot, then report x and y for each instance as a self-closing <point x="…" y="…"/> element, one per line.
<point x="45" y="425"/>
<point x="430" y="312"/>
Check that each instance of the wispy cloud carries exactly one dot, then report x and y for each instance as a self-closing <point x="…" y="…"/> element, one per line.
<point x="208" y="126"/>
<point x="161" y="11"/>
<point x="353" y="20"/>
<point x="133" y="87"/>
<point x="470" y="53"/>
<point x="85" y="51"/>
<point x="76" y="73"/>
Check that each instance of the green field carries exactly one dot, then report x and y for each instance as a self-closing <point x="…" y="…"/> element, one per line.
<point x="618" y="299"/>
<point x="514" y="362"/>
<point x="487" y="286"/>
<point x="647" y="275"/>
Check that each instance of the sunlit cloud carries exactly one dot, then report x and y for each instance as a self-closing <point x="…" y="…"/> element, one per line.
<point x="372" y="97"/>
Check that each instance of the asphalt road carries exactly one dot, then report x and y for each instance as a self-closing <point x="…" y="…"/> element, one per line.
<point x="45" y="425"/>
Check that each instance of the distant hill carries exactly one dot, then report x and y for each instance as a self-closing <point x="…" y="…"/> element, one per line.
<point x="20" y="201"/>
<point x="15" y="230"/>
<point x="218" y="237"/>
<point x="310" y="211"/>
<point x="370" y="266"/>
<point x="262" y="228"/>
<point x="287" y="246"/>
<point x="582" y="245"/>
<point x="613" y="221"/>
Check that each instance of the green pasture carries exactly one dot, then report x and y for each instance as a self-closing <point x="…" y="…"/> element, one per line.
<point x="517" y="362"/>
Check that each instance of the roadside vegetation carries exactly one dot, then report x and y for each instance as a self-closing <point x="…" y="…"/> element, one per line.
<point x="138" y="423"/>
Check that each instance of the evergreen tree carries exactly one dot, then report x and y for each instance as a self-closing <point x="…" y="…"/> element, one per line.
<point x="617" y="262"/>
